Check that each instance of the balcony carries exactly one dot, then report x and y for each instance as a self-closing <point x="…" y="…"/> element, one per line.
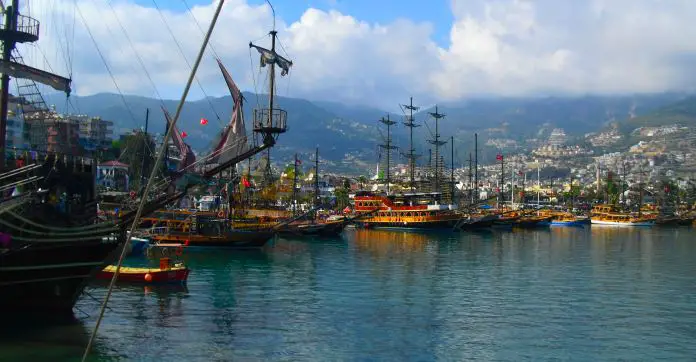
<point x="27" y="29"/>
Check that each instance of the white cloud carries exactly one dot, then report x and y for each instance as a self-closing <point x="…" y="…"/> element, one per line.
<point x="504" y="47"/>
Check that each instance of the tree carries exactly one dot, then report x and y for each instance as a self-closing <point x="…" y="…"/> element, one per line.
<point x="137" y="150"/>
<point x="362" y="180"/>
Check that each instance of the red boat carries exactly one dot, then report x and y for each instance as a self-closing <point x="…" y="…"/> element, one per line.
<point x="177" y="273"/>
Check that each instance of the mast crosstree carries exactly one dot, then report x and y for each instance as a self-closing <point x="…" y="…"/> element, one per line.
<point x="411" y="155"/>
<point x="387" y="146"/>
<point x="437" y="143"/>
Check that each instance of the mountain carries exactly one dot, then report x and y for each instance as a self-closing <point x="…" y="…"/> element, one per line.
<point x="682" y="112"/>
<point x="348" y="135"/>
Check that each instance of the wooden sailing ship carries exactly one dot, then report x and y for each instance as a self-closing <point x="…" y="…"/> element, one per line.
<point x="217" y="228"/>
<point x="50" y="243"/>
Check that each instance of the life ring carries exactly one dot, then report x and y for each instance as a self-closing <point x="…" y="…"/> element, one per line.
<point x="221" y="214"/>
<point x="179" y="250"/>
<point x="165" y="252"/>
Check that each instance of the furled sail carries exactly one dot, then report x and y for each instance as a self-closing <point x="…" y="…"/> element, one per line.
<point x="234" y="140"/>
<point x="26" y="72"/>
<point x="271" y="57"/>
<point x="187" y="156"/>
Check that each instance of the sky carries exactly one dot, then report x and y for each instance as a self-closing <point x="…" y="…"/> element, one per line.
<point x="374" y="53"/>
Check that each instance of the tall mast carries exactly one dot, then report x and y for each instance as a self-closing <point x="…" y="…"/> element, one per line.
<point x="316" y="178"/>
<point x="471" y="186"/>
<point x="145" y="149"/>
<point x="9" y="37"/>
<point x="411" y="155"/>
<point x="437" y="143"/>
<point x="271" y="91"/>
<point x="502" y="179"/>
<point x="294" y="189"/>
<point x="7" y="45"/>
<point x="388" y="146"/>
<point x="452" y="168"/>
<point x="476" y="194"/>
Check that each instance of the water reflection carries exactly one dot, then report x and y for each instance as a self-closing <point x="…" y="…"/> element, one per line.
<point x="559" y="293"/>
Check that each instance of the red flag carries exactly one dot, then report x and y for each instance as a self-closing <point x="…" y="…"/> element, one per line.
<point x="183" y="134"/>
<point x="520" y="173"/>
<point x="499" y="157"/>
<point x="204" y="121"/>
<point x="246" y="182"/>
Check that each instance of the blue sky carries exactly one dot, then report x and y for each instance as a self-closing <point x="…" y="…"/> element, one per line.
<point x="436" y="12"/>
<point x="365" y="53"/>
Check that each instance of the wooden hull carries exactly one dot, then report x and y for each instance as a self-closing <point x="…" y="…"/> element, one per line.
<point x="534" y="222"/>
<point x="425" y="225"/>
<point x="137" y="275"/>
<point x="238" y="239"/>
<point x="477" y="223"/>
<point x="568" y="222"/>
<point x="616" y="223"/>
<point x="327" y="229"/>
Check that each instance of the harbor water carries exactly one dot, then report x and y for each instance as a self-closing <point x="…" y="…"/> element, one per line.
<point x="582" y="294"/>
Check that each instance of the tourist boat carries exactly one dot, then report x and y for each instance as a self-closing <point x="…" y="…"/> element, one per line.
<point x="410" y="211"/>
<point x="313" y="228"/>
<point x="166" y="273"/>
<point x="608" y="215"/>
<point x="563" y="218"/>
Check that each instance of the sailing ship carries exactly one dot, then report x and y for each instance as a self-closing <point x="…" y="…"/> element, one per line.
<point x="311" y="225"/>
<point x="216" y="228"/>
<point x="50" y="243"/>
<point x="410" y="210"/>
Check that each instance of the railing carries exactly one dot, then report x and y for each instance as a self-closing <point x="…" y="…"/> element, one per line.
<point x="27" y="26"/>
<point x="270" y="121"/>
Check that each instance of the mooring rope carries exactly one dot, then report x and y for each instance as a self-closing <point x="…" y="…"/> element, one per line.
<point x="158" y="163"/>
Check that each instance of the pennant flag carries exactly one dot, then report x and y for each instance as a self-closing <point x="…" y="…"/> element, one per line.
<point x="204" y="121"/>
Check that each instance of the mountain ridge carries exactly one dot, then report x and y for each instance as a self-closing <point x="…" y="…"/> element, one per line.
<point x="347" y="135"/>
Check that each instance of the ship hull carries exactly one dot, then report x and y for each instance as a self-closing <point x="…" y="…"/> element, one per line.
<point x="426" y="225"/>
<point x="45" y="281"/>
<point x="238" y="239"/>
<point x="568" y="223"/>
<point x="320" y="229"/>
<point x="627" y="224"/>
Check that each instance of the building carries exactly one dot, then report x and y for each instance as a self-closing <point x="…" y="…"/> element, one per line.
<point x="14" y="138"/>
<point x="113" y="175"/>
<point x="95" y="133"/>
<point x="558" y="137"/>
<point x="63" y="135"/>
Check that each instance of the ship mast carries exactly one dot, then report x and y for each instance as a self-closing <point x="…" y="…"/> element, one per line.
<point x="388" y="146"/>
<point x="411" y="155"/>
<point x="437" y="143"/>
<point x="19" y="29"/>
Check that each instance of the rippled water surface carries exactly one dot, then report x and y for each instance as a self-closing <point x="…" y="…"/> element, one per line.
<point x="558" y="294"/>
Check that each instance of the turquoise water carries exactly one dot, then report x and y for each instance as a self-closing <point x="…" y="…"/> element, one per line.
<point x="559" y="294"/>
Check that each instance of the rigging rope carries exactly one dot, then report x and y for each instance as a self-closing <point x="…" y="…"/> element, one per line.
<point x="137" y="55"/>
<point x="183" y="55"/>
<point x="157" y="165"/>
<point x="101" y="55"/>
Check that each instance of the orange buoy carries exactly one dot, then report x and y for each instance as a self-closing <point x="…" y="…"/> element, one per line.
<point x="148" y="277"/>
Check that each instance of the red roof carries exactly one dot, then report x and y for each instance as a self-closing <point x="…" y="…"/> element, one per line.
<point x="113" y="164"/>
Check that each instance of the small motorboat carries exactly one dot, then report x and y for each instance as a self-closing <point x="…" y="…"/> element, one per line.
<point x="167" y="273"/>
